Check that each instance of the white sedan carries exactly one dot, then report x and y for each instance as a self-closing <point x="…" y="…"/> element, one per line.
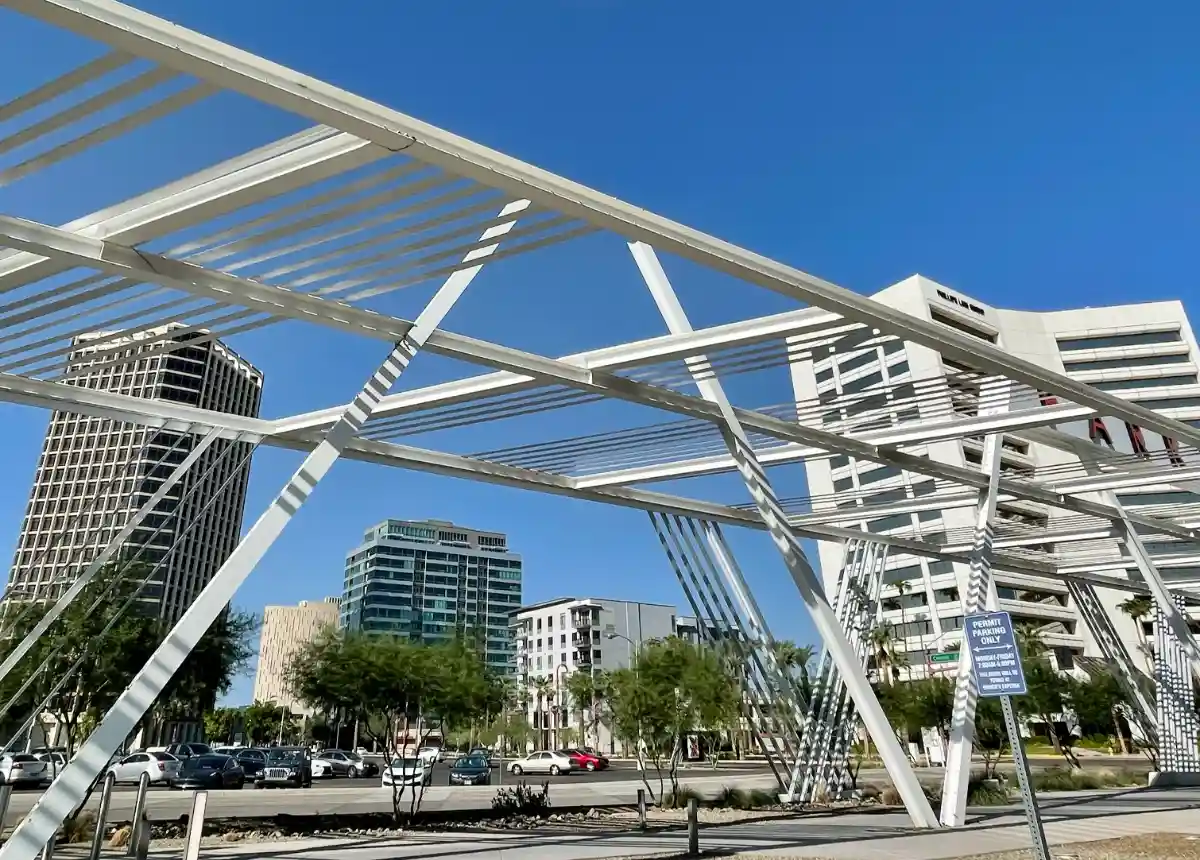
<point x="552" y="763"/>
<point x="408" y="771"/>
<point x="19" y="769"/>
<point x="161" y="767"/>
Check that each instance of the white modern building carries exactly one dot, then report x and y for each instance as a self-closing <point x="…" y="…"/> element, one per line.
<point x="95" y="473"/>
<point x="572" y="634"/>
<point x="1144" y="352"/>
<point x="285" y="630"/>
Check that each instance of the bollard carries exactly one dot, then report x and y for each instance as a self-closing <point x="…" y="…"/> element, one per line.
<point x="693" y="827"/>
<point x="48" y="848"/>
<point x="142" y="848"/>
<point x="191" y="848"/>
<point x="5" y="797"/>
<point x="642" y="807"/>
<point x="138" y="822"/>
<point x="102" y="816"/>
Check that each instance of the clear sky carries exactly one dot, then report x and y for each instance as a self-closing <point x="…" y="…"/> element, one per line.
<point x="1032" y="155"/>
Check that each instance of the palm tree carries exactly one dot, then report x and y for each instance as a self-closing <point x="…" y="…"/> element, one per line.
<point x="543" y="689"/>
<point x="1139" y="607"/>
<point x="881" y="641"/>
<point x="795" y="660"/>
<point x="903" y="587"/>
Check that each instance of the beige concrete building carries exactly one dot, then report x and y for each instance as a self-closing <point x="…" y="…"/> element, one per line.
<point x="285" y="629"/>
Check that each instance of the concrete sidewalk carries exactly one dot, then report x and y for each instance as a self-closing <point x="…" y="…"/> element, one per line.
<point x="851" y="836"/>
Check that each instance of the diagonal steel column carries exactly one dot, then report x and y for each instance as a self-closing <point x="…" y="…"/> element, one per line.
<point x="704" y="607"/>
<point x="776" y="689"/>
<point x="1097" y="620"/>
<point x="89" y="573"/>
<point x="980" y="592"/>
<point x="806" y="580"/>
<point x="71" y="786"/>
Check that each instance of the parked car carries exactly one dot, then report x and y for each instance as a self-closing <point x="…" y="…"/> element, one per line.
<point x="348" y="764"/>
<point x="252" y="760"/>
<point x="430" y="755"/>
<point x="408" y="771"/>
<point x="202" y="772"/>
<point x="161" y="767"/>
<point x="21" y="769"/>
<point x="552" y="763"/>
<point x="55" y="761"/>
<point x="586" y="760"/>
<point x="286" y="767"/>
<point x="470" y="770"/>
<point x="182" y="751"/>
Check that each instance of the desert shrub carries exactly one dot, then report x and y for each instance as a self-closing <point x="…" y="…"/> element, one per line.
<point x="678" y="797"/>
<point x="521" y="799"/>
<point x="985" y="792"/>
<point x="745" y="798"/>
<point x="79" y="829"/>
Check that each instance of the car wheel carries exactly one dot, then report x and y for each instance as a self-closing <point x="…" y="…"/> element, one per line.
<point x="259" y="785"/>
<point x="591" y="765"/>
<point x="516" y="770"/>
<point x="353" y="772"/>
<point x="554" y="770"/>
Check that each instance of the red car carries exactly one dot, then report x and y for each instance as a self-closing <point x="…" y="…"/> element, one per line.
<point x="585" y="760"/>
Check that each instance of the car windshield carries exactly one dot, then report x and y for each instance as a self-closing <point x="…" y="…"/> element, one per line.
<point x="205" y="762"/>
<point x="284" y="755"/>
<point x="406" y="762"/>
<point x="23" y="757"/>
<point x="471" y="762"/>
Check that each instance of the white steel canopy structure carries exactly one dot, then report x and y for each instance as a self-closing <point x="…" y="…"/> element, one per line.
<point x="314" y="228"/>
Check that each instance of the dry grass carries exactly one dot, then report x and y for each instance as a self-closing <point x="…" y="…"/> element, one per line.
<point x="1158" y="846"/>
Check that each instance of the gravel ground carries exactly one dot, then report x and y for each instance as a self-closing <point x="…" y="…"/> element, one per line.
<point x="1160" y="846"/>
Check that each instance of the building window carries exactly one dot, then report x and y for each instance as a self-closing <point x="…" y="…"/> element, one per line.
<point x="1122" y="363"/>
<point x="1138" y="338"/>
<point x="960" y="325"/>
<point x="1156" y="382"/>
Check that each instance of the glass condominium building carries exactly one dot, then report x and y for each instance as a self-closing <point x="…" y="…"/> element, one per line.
<point x="431" y="581"/>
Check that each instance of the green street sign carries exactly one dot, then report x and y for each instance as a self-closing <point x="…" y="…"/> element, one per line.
<point x="944" y="657"/>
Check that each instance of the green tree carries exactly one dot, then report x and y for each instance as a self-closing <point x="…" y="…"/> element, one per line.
<point x="991" y="734"/>
<point x="394" y="687"/>
<point x="672" y="689"/>
<point x="267" y="722"/>
<point x="1049" y="692"/>
<point x="882" y="644"/>
<point x="220" y="724"/>
<point x="796" y="661"/>
<point x="1139" y="607"/>
<point x="588" y="692"/>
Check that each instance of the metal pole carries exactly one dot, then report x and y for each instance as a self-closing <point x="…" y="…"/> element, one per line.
<point x="641" y="804"/>
<point x="693" y="827"/>
<point x="191" y="846"/>
<point x="6" y="791"/>
<point x="1024" y="781"/>
<point x="138" y="822"/>
<point x="978" y="592"/>
<point x="48" y="848"/>
<point x="106" y="791"/>
<point x="774" y="517"/>
<point x="65" y="794"/>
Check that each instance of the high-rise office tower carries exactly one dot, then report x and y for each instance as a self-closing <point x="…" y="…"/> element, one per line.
<point x="94" y="474"/>
<point x="1146" y="353"/>
<point x="431" y="581"/>
<point x="285" y="630"/>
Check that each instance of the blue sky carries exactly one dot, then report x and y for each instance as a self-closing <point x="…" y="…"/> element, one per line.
<point x="1032" y="155"/>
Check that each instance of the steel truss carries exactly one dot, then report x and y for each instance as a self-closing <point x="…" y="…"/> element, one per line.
<point x="820" y="772"/>
<point x="314" y="228"/>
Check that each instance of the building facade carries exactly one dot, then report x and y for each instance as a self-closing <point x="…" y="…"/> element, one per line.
<point x="285" y="630"/>
<point x="94" y="474"/>
<point x="432" y="581"/>
<point x="1145" y="352"/>
<point x="571" y="634"/>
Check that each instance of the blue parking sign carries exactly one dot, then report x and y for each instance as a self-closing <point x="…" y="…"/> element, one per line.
<point x="994" y="654"/>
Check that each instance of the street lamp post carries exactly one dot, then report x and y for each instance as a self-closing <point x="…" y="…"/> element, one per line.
<point x="558" y="709"/>
<point x="633" y="655"/>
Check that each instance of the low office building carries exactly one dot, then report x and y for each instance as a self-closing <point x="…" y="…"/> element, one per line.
<point x="573" y="634"/>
